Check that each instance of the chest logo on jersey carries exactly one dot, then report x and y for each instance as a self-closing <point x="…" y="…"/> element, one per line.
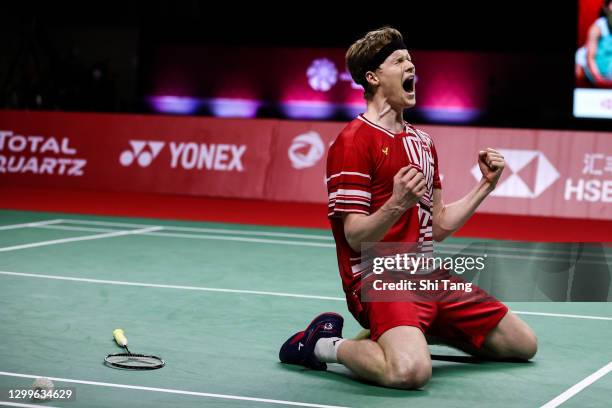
<point x="385" y="150"/>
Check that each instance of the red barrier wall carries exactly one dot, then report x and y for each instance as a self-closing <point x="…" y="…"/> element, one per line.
<point x="549" y="173"/>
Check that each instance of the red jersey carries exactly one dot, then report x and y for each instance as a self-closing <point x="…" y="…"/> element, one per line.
<point x="361" y="164"/>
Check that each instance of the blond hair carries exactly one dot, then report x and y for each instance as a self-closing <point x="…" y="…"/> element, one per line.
<point x="363" y="50"/>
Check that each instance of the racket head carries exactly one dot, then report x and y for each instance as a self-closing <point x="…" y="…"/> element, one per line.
<point x="131" y="361"/>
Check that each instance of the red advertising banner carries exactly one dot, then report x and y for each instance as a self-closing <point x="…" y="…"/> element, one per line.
<point x="297" y="172"/>
<point x="551" y="173"/>
<point x="210" y="157"/>
<point x="548" y="173"/>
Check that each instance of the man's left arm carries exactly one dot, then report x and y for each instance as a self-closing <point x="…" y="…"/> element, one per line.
<point x="448" y="218"/>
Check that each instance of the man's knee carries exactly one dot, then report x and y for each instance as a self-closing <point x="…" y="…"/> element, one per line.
<point x="517" y="341"/>
<point x="527" y="347"/>
<point x="407" y="373"/>
<point x="521" y="342"/>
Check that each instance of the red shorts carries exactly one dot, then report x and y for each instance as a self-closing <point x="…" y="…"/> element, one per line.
<point x="466" y="321"/>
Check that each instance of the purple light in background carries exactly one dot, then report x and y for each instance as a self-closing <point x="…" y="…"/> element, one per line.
<point x="233" y="108"/>
<point x="450" y="114"/>
<point x="183" y="105"/>
<point x="354" y="110"/>
<point x="308" y="109"/>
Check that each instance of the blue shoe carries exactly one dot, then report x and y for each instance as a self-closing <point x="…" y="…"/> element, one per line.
<point x="299" y="348"/>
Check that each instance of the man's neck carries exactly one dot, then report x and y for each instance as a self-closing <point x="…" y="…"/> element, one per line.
<point x="382" y="114"/>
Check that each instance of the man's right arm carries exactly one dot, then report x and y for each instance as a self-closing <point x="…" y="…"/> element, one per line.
<point x="409" y="185"/>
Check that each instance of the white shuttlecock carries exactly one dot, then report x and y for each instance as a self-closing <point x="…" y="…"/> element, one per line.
<point x="45" y="388"/>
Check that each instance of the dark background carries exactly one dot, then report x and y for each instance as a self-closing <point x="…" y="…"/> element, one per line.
<point x="96" y="56"/>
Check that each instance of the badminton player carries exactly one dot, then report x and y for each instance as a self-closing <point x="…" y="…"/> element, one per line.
<point x="384" y="186"/>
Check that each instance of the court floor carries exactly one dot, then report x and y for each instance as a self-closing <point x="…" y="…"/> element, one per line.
<point x="216" y="301"/>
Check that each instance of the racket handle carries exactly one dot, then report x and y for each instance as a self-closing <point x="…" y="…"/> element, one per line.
<point x="120" y="337"/>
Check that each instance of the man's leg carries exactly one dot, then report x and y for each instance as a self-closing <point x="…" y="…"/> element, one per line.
<point x="512" y="338"/>
<point x="396" y="355"/>
<point x="479" y="324"/>
<point x="399" y="359"/>
<point x="493" y="331"/>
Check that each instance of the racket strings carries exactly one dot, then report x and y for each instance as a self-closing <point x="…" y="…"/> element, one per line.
<point x="137" y="361"/>
<point x="131" y="360"/>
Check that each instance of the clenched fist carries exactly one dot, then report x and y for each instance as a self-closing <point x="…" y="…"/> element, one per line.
<point x="409" y="185"/>
<point x="491" y="164"/>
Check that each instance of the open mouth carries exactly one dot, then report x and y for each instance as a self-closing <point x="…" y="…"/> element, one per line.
<point x="408" y="84"/>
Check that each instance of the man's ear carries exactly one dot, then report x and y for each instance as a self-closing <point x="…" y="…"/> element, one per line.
<point x="372" y="78"/>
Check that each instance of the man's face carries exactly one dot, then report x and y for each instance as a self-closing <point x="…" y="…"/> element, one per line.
<point x="396" y="76"/>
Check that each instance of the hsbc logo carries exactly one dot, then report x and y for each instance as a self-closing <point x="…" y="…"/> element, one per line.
<point x="306" y="150"/>
<point x="143" y="152"/>
<point x="532" y="174"/>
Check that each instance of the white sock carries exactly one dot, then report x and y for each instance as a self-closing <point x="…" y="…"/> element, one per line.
<point x="326" y="349"/>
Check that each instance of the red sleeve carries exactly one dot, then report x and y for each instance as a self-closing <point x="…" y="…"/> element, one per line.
<point x="436" y="177"/>
<point x="348" y="176"/>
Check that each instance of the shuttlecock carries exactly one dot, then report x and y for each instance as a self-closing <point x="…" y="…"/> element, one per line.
<point x="44" y="386"/>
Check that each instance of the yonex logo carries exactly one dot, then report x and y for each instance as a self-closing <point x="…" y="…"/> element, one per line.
<point x="306" y="150"/>
<point x="531" y="174"/>
<point x="328" y="326"/>
<point x="144" y="152"/>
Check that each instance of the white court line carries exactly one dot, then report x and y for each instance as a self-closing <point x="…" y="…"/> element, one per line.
<point x="75" y="239"/>
<point x="29" y="224"/>
<point x="155" y="285"/>
<point x="575" y="389"/>
<point x="68" y="228"/>
<point x="564" y="315"/>
<point x="17" y="404"/>
<point x="244" y="239"/>
<point x="290" y="235"/>
<point x="551" y="258"/>
<point x="523" y="250"/>
<point x="207" y="230"/>
<point x="174" y="391"/>
<point x="297" y="243"/>
<point x="319" y="237"/>
<point x="309" y="236"/>
<point x="199" y="236"/>
<point x="250" y="292"/>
